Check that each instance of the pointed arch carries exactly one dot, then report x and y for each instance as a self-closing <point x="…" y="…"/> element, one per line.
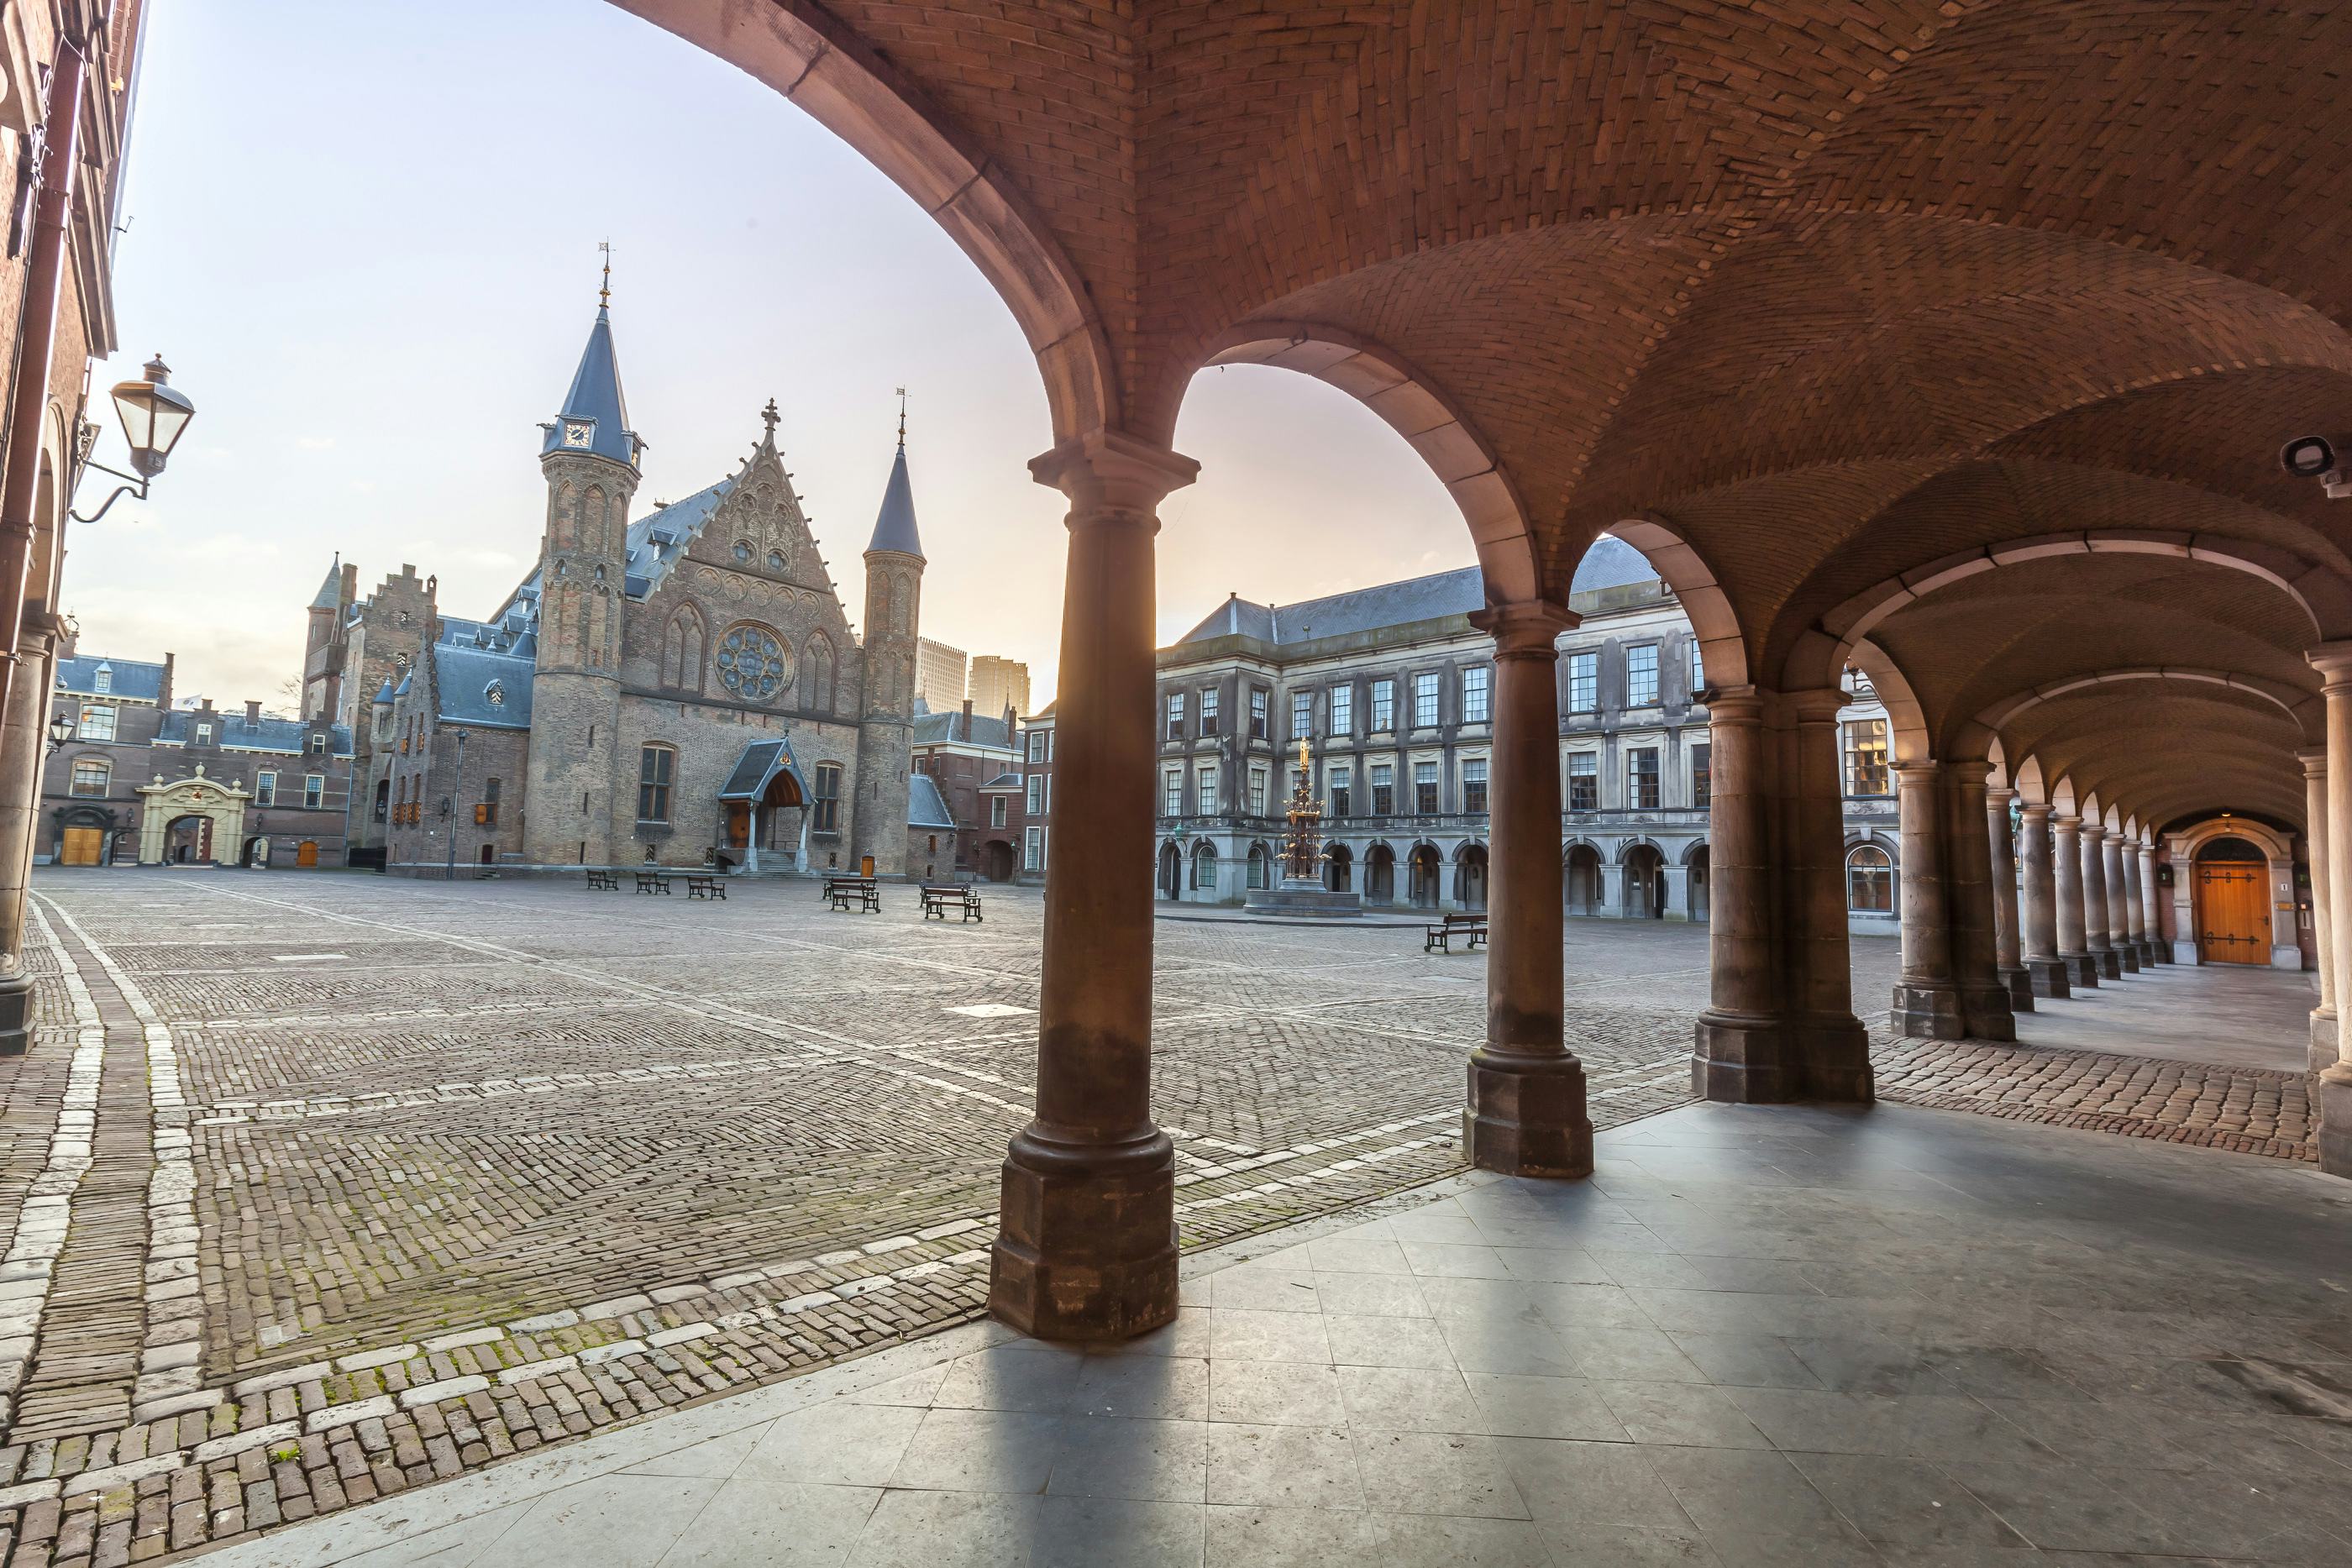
<point x="562" y="519"/>
<point x="818" y="694"/>
<point x="683" y="645"/>
<point x="592" y="518"/>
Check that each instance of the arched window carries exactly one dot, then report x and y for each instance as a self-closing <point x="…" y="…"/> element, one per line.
<point x="1869" y="880"/>
<point x="820" y="672"/>
<point x="881" y="604"/>
<point x="655" y="764"/>
<point x="562" y="521"/>
<point x="592" y="518"/>
<point x="1204" y="868"/>
<point x="681" y="662"/>
<point x="90" y="775"/>
<point x="1259" y="863"/>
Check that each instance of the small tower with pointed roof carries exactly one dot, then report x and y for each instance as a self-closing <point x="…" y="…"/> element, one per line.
<point x="894" y="596"/>
<point x="323" y="657"/>
<point x="590" y="456"/>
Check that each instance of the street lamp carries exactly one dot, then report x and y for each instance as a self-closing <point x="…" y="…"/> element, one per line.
<point x="61" y="729"/>
<point x="155" y="415"/>
<point x="449" y="810"/>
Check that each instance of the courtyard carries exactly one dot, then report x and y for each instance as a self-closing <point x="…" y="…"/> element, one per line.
<point x="372" y="1182"/>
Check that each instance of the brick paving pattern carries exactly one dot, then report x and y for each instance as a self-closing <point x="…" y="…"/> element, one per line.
<point x="376" y="1182"/>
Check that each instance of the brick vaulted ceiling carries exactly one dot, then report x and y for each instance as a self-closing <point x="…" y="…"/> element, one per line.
<point x="1829" y="289"/>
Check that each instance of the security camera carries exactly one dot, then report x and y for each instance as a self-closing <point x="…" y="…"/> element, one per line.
<point x="2313" y="458"/>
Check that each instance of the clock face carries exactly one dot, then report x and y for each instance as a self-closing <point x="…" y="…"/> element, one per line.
<point x="575" y="435"/>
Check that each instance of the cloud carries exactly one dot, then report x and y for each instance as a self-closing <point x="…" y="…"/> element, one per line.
<point x="315" y="443"/>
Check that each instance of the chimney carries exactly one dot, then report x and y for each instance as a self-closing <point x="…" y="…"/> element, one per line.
<point x="163" y="694"/>
<point x="253" y="712"/>
<point x="350" y="584"/>
<point x="967" y="719"/>
<point x="68" y="643"/>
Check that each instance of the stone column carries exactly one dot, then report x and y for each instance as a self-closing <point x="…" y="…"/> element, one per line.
<point x="2111" y="863"/>
<point x="2134" y="910"/>
<point x="1526" y="1113"/>
<point x="2044" y="970"/>
<point x="1985" y="1011"/>
<point x="1927" y="997"/>
<point x="2315" y="805"/>
<point x="2073" y="923"/>
<point x="1832" y="1042"/>
<point x="24" y="749"/>
<point x="2333" y="662"/>
<point x="2009" y="952"/>
<point x="2151" y="906"/>
<point x="2094" y="902"/>
<point x="1086" y="1247"/>
<point x="1741" y="1050"/>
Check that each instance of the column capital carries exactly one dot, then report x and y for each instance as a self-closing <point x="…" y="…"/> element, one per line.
<point x="1735" y="705"/>
<point x="2035" y="811"/>
<point x="2315" y="761"/>
<point x="1524" y="628"/>
<point x="1998" y="794"/>
<point x="1110" y="470"/>
<point x="2067" y="821"/>
<point x="2333" y="660"/>
<point x="1820" y="706"/>
<point x="1922" y="772"/>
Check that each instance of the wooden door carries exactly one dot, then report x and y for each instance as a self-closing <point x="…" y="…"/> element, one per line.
<point x="83" y="844"/>
<point x="2233" y="911"/>
<point x="308" y="855"/>
<point x="865" y="866"/>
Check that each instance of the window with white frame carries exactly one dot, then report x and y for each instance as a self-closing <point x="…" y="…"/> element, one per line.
<point x="1036" y="746"/>
<point x="1477" y="694"/>
<point x="1424" y="789"/>
<point x="1865" y="757"/>
<point x="1474" y="786"/>
<point x="1869" y="880"/>
<point x="264" y="787"/>
<point x="1204" y="786"/>
<point x="1583" y="782"/>
<point x="1383" y="705"/>
<point x="97" y="721"/>
<point x="1341" y="783"/>
<point x="102" y="682"/>
<point x="1425" y="700"/>
<point x="1641" y="779"/>
<point x="996" y="810"/>
<point x="1642" y="676"/>
<point x="1036" y="800"/>
<point x="1258" y="698"/>
<point x="204" y="734"/>
<point x="314" y="791"/>
<point x="1702" y="776"/>
<point x="1343" y="710"/>
<point x="1698" y="668"/>
<point x="1258" y="791"/>
<point x="1383" y="790"/>
<point x="1583" y="683"/>
<point x="1302" y="714"/>
<point x="1032" y="848"/>
<point x="1175" y="729"/>
<point x="1171" y="793"/>
<point x="1208" y="712"/>
<point x="90" y="776"/>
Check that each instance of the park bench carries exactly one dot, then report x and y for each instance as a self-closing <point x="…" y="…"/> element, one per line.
<point x="705" y="887"/>
<point x="605" y="880"/>
<point x="834" y="878"/>
<point x="1439" y="937"/>
<point x="652" y="882"/>
<point x="844" y="890"/>
<point x="940" y="897"/>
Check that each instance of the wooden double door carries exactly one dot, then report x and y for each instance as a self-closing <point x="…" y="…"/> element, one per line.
<point x="83" y="846"/>
<point x="2233" y="911"/>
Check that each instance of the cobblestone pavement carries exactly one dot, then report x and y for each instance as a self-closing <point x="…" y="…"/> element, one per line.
<point x="315" y="1188"/>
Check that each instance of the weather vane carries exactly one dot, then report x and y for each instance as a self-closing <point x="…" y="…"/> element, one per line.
<point x="604" y="295"/>
<point x="902" y="419"/>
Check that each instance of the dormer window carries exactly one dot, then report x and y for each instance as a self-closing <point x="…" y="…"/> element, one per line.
<point x="578" y="432"/>
<point x="204" y="734"/>
<point x="103" y="681"/>
<point x="495" y="693"/>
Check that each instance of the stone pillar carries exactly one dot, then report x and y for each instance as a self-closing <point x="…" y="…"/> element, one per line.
<point x="2111" y="863"/>
<point x="23" y="748"/>
<point x="2082" y="966"/>
<point x="2038" y="910"/>
<point x="2323" y="1051"/>
<point x="2094" y="902"/>
<point x="1833" y="1043"/>
<point x="1985" y="1011"/>
<point x="1741" y="1050"/>
<point x="1526" y="1113"/>
<point x="2135" y="909"/>
<point x="2009" y="952"/>
<point x="1086" y="1247"/>
<point x="1928" y="997"/>
<point x="2333" y="662"/>
<point x="2151" y="905"/>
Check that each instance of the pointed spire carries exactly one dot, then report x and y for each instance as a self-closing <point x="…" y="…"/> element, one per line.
<point x="894" y="528"/>
<point x="595" y="416"/>
<point x="330" y="592"/>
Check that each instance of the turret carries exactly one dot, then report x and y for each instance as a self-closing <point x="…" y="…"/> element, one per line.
<point x="894" y="594"/>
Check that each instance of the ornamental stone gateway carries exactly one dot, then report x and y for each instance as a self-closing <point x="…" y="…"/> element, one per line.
<point x="213" y="811"/>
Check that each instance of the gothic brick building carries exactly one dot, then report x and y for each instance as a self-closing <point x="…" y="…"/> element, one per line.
<point x="682" y="689"/>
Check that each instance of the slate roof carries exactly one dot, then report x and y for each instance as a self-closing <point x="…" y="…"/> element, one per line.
<point x="132" y="677"/>
<point x="937" y="728"/>
<point x="289" y="737"/>
<point x="330" y="592"/>
<point x="894" y="525"/>
<point x="596" y="397"/>
<point x="1008" y="780"/>
<point x="466" y="679"/>
<point x="756" y="769"/>
<point x="924" y="807"/>
<point x="1610" y="563"/>
<point x="654" y="544"/>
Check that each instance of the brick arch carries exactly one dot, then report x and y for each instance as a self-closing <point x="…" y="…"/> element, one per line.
<point x="1430" y="421"/>
<point x="807" y="54"/>
<point x="1980" y="735"/>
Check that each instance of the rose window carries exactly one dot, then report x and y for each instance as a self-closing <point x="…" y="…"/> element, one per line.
<point x="752" y="664"/>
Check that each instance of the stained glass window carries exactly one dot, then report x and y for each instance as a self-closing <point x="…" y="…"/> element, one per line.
<point x="752" y="664"/>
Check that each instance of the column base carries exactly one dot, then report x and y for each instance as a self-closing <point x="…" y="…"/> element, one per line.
<point x="1744" y="1058"/>
<point x="2082" y="969"/>
<point x="1928" y="1012"/>
<point x="1837" y="1053"/>
<point x="2048" y="977"/>
<point x="2128" y="956"/>
<point x="2336" y="1122"/>
<point x="2160" y="950"/>
<point x="2110" y="963"/>
<point x="1087" y="1245"/>
<point x="1985" y="1009"/>
<point x="2152" y="953"/>
<point x="2323" y="1051"/>
<point x="2020" y="986"/>
<point x="1526" y="1115"/>
<point x="15" y="1015"/>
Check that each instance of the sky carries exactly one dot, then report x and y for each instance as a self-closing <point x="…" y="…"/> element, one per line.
<point x="365" y="239"/>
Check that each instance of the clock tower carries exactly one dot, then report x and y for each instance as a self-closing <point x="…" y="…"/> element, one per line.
<point x="590" y="456"/>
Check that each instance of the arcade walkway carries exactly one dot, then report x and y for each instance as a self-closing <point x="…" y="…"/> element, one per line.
<point x="1755" y="1336"/>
